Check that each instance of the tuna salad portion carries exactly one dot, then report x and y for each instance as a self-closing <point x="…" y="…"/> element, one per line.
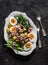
<point x="19" y="33"/>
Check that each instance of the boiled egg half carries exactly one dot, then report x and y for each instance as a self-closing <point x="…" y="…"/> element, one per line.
<point x="13" y="29"/>
<point x="13" y="21"/>
<point x="27" y="46"/>
<point x="31" y="36"/>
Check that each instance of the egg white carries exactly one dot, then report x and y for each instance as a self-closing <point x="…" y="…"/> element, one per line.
<point x="26" y="49"/>
<point x="31" y="40"/>
<point x="11" y="22"/>
<point x="11" y="28"/>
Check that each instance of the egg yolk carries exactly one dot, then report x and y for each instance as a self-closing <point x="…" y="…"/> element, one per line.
<point x="14" y="29"/>
<point x="31" y="36"/>
<point x="12" y="20"/>
<point x="28" y="45"/>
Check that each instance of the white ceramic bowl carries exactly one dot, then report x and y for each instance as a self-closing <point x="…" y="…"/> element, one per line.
<point x="34" y="31"/>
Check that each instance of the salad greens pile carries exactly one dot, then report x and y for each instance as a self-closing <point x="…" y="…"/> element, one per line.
<point x="23" y="21"/>
<point x="11" y="44"/>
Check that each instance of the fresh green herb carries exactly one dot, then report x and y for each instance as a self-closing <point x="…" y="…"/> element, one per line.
<point x="10" y="45"/>
<point x="20" y="48"/>
<point x="9" y="41"/>
<point x="23" y="21"/>
<point x="17" y="44"/>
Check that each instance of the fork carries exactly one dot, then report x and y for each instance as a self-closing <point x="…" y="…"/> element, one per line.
<point x="43" y="30"/>
<point x="39" y="41"/>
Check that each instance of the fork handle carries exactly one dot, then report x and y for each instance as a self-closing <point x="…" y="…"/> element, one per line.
<point x="43" y="30"/>
<point x="39" y="42"/>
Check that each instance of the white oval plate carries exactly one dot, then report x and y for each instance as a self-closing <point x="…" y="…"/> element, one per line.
<point x="34" y="31"/>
